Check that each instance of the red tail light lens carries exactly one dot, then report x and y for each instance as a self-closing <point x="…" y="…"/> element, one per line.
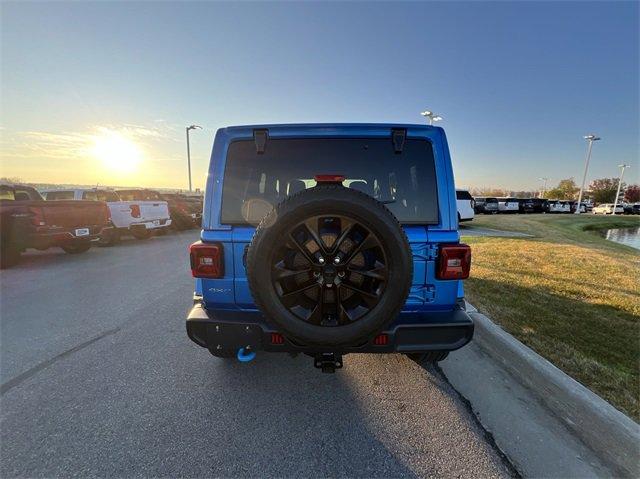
<point x="454" y="262"/>
<point x="277" y="338"/>
<point x="37" y="216"/>
<point x="329" y="178"/>
<point x="135" y="211"/>
<point x="107" y="213"/>
<point x="206" y="260"/>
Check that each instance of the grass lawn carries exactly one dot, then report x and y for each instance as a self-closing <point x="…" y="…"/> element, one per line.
<point x="567" y="293"/>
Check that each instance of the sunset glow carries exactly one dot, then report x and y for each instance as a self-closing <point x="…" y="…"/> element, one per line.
<point x="116" y="151"/>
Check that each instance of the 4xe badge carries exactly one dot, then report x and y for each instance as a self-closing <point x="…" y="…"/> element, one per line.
<point x="220" y="290"/>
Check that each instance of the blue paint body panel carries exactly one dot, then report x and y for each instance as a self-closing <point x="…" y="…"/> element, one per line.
<point x="427" y="293"/>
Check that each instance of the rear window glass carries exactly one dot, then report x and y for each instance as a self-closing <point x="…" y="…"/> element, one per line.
<point x="405" y="182"/>
<point x="60" y="195"/>
<point x="6" y="193"/>
<point x="463" y="195"/>
<point x="138" y="195"/>
<point x="100" y="195"/>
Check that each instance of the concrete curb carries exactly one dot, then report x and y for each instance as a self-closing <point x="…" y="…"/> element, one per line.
<point x="610" y="434"/>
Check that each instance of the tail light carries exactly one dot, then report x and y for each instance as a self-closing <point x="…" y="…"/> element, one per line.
<point x="454" y="262"/>
<point x="206" y="260"/>
<point x="37" y="216"/>
<point x="135" y="211"/>
<point x="106" y="213"/>
<point x="277" y="338"/>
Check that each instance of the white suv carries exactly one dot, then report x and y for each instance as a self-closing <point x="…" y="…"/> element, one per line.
<point x="466" y="204"/>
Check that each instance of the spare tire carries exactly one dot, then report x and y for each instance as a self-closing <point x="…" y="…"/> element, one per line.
<point x="330" y="266"/>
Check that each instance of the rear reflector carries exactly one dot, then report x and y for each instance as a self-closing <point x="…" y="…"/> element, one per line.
<point x="277" y="338"/>
<point x="206" y="260"/>
<point x="381" y="340"/>
<point x="454" y="262"/>
<point x="329" y="178"/>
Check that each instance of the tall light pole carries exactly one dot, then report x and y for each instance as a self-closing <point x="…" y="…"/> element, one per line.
<point x="432" y="116"/>
<point x="615" y="203"/>
<point x="590" y="139"/>
<point x="189" y="128"/>
<point x="544" y="187"/>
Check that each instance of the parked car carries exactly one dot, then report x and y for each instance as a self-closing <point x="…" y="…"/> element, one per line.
<point x="508" y="205"/>
<point x="486" y="205"/>
<point x="330" y="269"/>
<point x="588" y="204"/>
<point x="607" y="209"/>
<point x="573" y="206"/>
<point x="465" y="204"/>
<point x="635" y="209"/>
<point x="627" y="208"/>
<point x="532" y="205"/>
<point x="185" y="211"/>
<point x="559" y="206"/>
<point x="136" y="217"/>
<point x="28" y="221"/>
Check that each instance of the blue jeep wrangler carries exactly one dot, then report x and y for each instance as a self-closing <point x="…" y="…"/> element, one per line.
<point x="329" y="239"/>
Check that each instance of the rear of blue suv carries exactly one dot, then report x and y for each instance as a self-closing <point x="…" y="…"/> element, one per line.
<point x="328" y="239"/>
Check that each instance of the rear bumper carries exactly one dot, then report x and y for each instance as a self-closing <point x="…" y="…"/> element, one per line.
<point x="228" y="331"/>
<point x="152" y="224"/>
<point x="48" y="237"/>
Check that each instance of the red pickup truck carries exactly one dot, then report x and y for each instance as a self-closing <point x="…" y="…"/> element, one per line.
<point x="28" y="221"/>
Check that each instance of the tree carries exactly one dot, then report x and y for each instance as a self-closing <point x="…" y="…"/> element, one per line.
<point x="524" y="194"/>
<point x="632" y="194"/>
<point x="603" y="190"/>
<point x="566" y="190"/>
<point x="496" y="192"/>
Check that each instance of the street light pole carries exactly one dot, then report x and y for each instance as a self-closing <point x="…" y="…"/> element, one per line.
<point x="590" y="139"/>
<point x="189" y="128"/>
<point x="544" y="187"/>
<point x="615" y="203"/>
<point x="432" y="116"/>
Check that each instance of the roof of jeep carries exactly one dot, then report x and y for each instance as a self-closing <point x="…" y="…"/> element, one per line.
<point x="331" y="126"/>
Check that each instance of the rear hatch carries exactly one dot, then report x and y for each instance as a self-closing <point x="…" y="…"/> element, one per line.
<point x="254" y="182"/>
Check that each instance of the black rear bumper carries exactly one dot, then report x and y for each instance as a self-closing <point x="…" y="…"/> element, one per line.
<point x="226" y="331"/>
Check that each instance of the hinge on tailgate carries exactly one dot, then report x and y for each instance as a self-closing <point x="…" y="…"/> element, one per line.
<point x="431" y="251"/>
<point x="426" y="252"/>
<point x="398" y="136"/>
<point x="260" y="137"/>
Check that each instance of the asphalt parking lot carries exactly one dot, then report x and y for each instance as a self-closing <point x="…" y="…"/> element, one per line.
<point x="99" y="379"/>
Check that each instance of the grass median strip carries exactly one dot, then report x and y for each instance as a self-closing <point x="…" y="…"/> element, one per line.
<point x="567" y="293"/>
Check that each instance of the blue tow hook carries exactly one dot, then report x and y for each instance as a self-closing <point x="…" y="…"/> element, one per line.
<point x="245" y="357"/>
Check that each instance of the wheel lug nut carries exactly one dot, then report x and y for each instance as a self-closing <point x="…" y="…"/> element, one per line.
<point x="336" y="260"/>
<point x="321" y="260"/>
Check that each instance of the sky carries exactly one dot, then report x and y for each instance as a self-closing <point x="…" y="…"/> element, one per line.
<point x="101" y="92"/>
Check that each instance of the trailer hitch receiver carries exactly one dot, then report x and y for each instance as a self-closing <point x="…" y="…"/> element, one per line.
<point x="328" y="362"/>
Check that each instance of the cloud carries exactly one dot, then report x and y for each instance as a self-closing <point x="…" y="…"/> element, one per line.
<point x="22" y="145"/>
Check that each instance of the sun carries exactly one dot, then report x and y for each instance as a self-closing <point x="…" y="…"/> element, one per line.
<point x="116" y="151"/>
